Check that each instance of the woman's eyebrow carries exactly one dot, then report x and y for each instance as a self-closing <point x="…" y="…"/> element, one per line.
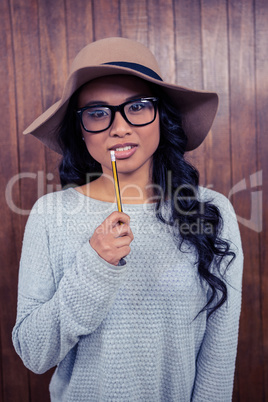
<point x="138" y="96"/>
<point x="96" y="102"/>
<point x="101" y="102"/>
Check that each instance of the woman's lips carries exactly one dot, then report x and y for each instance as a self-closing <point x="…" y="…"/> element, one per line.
<point x="124" y="151"/>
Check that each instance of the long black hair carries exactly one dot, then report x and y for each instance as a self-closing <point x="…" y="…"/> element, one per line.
<point x="179" y="183"/>
<point x="197" y="222"/>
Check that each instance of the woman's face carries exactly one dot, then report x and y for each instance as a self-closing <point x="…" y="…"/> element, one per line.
<point x="134" y="146"/>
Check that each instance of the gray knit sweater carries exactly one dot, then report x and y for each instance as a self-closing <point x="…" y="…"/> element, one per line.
<point x="125" y="333"/>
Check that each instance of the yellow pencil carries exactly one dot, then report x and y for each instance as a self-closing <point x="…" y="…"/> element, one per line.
<point x="117" y="193"/>
<point x="116" y="182"/>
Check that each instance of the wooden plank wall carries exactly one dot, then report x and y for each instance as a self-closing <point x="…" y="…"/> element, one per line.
<point x="213" y="44"/>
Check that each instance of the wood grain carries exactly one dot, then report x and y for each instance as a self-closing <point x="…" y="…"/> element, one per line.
<point x="216" y="77"/>
<point x="244" y="148"/>
<point x="14" y="377"/>
<point x="134" y="20"/>
<point x="54" y="71"/>
<point x="261" y="32"/>
<point x="106" y="17"/>
<point x="162" y="43"/>
<point x="188" y="60"/>
<point x="79" y="26"/>
<point x="28" y="86"/>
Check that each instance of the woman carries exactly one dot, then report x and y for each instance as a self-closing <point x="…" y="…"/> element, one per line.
<point x="162" y="327"/>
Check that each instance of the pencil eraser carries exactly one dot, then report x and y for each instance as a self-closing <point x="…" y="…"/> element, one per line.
<point x="112" y="156"/>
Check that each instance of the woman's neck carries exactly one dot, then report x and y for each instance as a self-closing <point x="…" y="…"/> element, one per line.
<point x="134" y="189"/>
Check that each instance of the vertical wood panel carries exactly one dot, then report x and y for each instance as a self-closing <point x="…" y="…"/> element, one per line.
<point x="188" y="43"/>
<point x="14" y="377"/>
<point x="53" y="56"/>
<point x="106" y="15"/>
<point x="216" y="78"/>
<point x="79" y="26"/>
<point x="261" y="35"/>
<point x="244" y="157"/>
<point x="28" y="79"/>
<point x="188" y="61"/>
<point x="162" y="41"/>
<point x="134" y="20"/>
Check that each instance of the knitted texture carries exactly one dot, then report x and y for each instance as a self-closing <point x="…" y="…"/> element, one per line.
<point x="125" y="333"/>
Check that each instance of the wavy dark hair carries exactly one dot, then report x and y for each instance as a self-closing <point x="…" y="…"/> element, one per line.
<point x="178" y="181"/>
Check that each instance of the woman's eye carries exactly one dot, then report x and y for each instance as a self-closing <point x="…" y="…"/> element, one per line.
<point x="97" y="114"/>
<point x="136" y="107"/>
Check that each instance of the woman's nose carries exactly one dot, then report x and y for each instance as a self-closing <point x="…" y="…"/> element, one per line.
<point x="120" y="127"/>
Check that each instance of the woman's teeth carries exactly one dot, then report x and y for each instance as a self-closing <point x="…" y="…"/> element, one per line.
<point x="124" y="149"/>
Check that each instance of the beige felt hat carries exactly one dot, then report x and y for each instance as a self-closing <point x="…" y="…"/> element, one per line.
<point x="113" y="56"/>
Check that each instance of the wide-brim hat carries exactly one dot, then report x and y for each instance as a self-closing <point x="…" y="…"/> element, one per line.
<point x="113" y="56"/>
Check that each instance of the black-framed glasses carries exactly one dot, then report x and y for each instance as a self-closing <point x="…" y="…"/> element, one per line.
<point x="136" y="112"/>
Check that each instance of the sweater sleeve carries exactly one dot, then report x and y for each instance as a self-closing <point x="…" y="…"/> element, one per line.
<point x="51" y="318"/>
<point x="216" y="358"/>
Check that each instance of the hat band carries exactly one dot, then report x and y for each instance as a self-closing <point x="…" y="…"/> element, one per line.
<point x="137" y="67"/>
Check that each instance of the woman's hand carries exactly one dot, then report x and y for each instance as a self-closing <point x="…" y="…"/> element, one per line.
<point x="112" y="238"/>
